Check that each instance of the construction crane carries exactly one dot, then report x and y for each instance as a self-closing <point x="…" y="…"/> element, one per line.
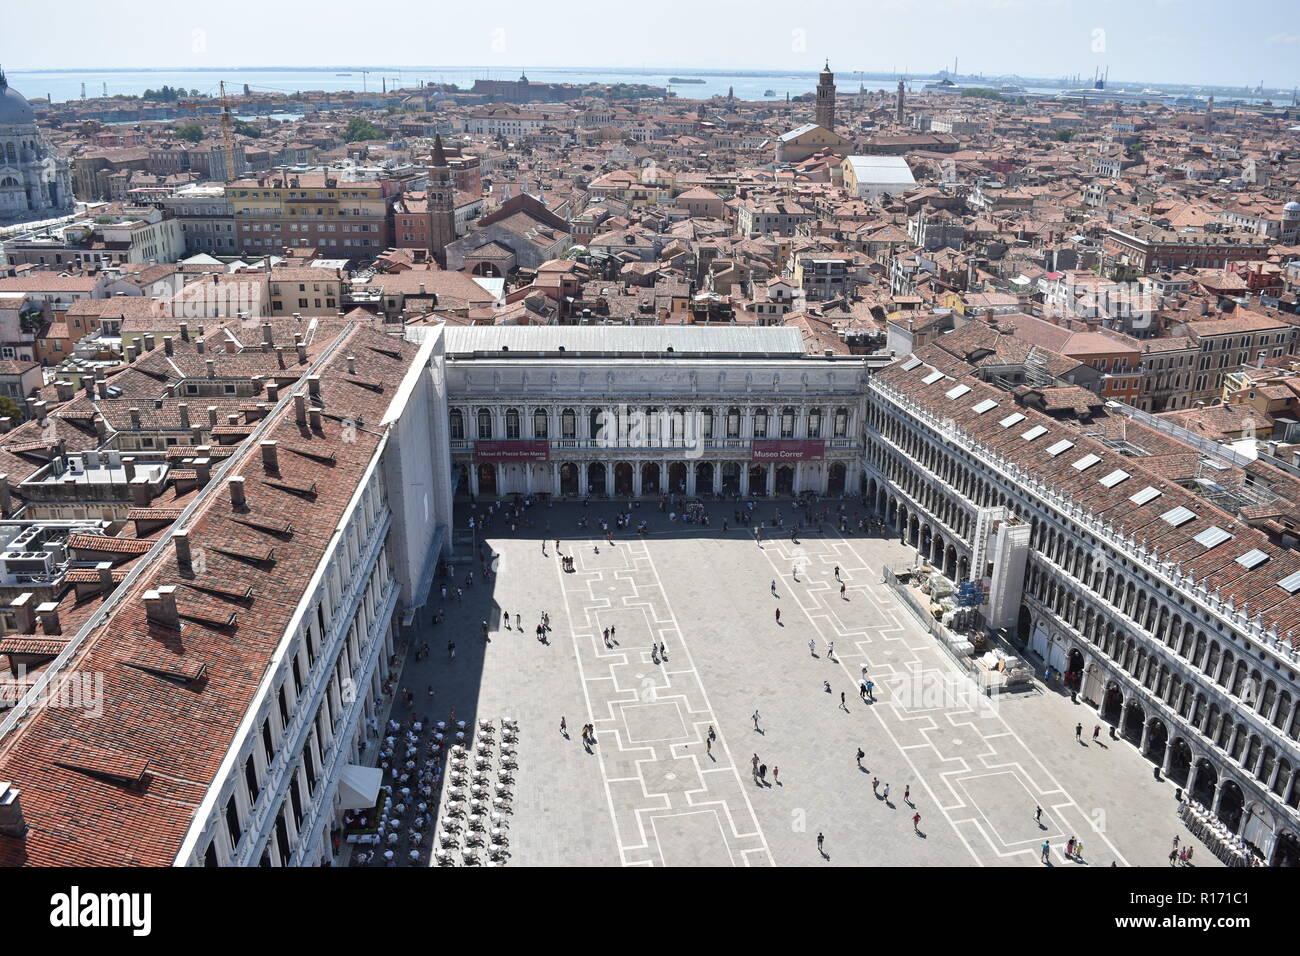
<point x="227" y="126"/>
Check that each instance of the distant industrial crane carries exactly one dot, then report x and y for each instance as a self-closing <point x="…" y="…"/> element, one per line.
<point x="227" y="131"/>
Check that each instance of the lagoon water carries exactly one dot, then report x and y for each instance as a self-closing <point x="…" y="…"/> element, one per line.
<point x="748" y="84"/>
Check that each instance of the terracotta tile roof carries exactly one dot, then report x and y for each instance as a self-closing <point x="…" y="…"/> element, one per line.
<point x="144" y="766"/>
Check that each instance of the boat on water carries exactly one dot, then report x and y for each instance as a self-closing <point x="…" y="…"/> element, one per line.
<point x="943" y="86"/>
<point x="342" y="74"/>
<point x="684" y="79"/>
<point x="1011" y="88"/>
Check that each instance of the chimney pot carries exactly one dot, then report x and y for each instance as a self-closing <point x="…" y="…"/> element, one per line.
<point x="184" y="409"/>
<point x="185" y="331"/>
<point x="211" y="365"/>
<point x="230" y="346"/>
<point x="105" y="569"/>
<point x="203" y="467"/>
<point x="200" y="346"/>
<point x="300" y="408"/>
<point x="270" y="457"/>
<point x="6" y="499"/>
<point x="160" y="606"/>
<point x="22" y="609"/>
<point x="237" y="499"/>
<point x="313" y="385"/>
<point x="182" y="541"/>
<point x="6" y="423"/>
<point x="102" y="385"/>
<point x="141" y="494"/>
<point x="273" y="392"/>
<point x="11" y="811"/>
<point x="135" y="418"/>
<point x="212" y="416"/>
<point x="48" y="613"/>
<point x="352" y="365"/>
<point x="167" y="345"/>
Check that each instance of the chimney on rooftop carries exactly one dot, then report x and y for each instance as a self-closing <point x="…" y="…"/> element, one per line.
<point x="200" y="345"/>
<point x="270" y="457"/>
<point x="212" y="416"/>
<point x="65" y="389"/>
<point x="273" y="392"/>
<point x="185" y="331"/>
<point x="135" y="418"/>
<point x="101" y="428"/>
<point x="230" y="346"/>
<point x="48" y="613"/>
<point x="279" y="356"/>
<point x="101" y="385"/>
<point x="302" y="352"/>
<point x="182" y="541"/>
<point x="168" y="348"/>
<point x="313" y="386"/>
<point x="140" y="492"/>
<point x="88" y="383"/>
<point x="352" y="365"/>
<point x="6" y="500"/>
<point x="203" y="466"/>
<point x="149" y="342"/>
<point x="11" y="811"/>
<point x="211" y="365"/>
<point x="160" y="606"/>
<point x="128" y="467"/>
<point x="6" y="423"/>
<point x="184" y="409"/>
<point x="132" y="352"/>
<point x="238" y="501"/>
<point x="267" y="338"/>
<point x="21" y="607"/>
<point x="300" y="408"/>
<point x="315" y="420"/>
<point x="105" y="569"/>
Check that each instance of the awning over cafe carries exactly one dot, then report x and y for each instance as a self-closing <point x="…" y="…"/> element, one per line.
<point x="359" y="786"/>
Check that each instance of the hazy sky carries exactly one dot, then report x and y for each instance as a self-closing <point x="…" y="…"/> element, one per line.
<point x="1192" y="41"/>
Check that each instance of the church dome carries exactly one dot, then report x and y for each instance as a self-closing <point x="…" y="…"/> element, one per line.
<point x="1292" y="207"/>
<point x="14" y="108"/>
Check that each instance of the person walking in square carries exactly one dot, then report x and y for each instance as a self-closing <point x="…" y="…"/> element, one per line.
<point x="916" y="822"/>
<point x="821" y="840"/>
<point x="1096" y="732"/>
<point x="875" y="782"/>
<point x="1047" y="849"/>
<point x="907" y="794"/>
<point x="776" y="775"/>
<point x="861" y="754"/>
<point x="1078" y="732"/>
<point x="812" y="647"/>
<point x="564" y="727"/>
<point x="756" y="720"/>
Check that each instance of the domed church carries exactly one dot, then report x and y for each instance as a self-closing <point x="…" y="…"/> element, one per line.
<point x="35" y="182"/>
